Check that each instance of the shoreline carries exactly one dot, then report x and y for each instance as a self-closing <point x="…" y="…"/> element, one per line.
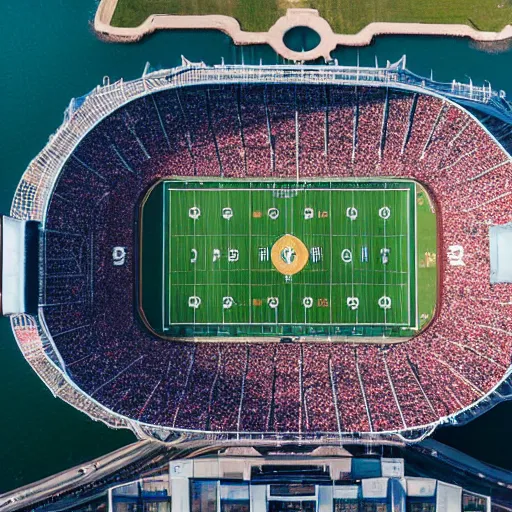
<point x="274" y="37"/>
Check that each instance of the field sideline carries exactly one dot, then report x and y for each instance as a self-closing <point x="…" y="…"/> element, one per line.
<point x="345" y="16"/>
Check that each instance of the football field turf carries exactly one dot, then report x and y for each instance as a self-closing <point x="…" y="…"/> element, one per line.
<point x="281" y="258"/>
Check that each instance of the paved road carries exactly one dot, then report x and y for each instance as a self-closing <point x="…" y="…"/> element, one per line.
<point x="96" y="476"/>
<point x="79" y="476"/>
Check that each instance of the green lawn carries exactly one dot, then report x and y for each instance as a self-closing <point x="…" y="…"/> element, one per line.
<point x="186" y="254"/>
<point x="427" y="256"/>
<point x="345" y="16"/>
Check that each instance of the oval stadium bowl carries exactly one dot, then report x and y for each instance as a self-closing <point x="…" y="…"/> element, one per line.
<point x="279" y="252"/>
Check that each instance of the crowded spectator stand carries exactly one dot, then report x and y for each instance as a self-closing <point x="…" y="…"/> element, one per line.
<point x="87" y="341"/>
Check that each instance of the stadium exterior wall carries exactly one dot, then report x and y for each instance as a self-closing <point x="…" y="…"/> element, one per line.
<point x="35" y="188"/>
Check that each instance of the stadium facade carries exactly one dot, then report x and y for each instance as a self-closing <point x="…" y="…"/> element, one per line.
<point x="332" y="480"/>
<point x="83" y="335"/>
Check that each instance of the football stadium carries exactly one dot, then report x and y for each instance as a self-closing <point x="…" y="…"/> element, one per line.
<point x="269" y="252"/>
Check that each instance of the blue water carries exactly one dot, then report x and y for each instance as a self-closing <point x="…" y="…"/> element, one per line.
<point x="48" y="55"/>
<point x="301" y="39"/>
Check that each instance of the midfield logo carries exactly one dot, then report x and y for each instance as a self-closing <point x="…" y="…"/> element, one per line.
<point x="288" y="255"/>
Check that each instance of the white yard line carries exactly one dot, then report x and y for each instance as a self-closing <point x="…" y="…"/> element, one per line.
<point x="244" y="234"/>
<point x="164" y="277"/>
<point x="340" y="189"/>
<point x="195" y="266"/>
<point x="304" y="284"/>
<point x="331" y="263"/>
<point x="385" y="274"/>
<point x="291" y="232"/>
<point x="229" y="246"/>
<point x="168" y="246"/>
<point x="352" y="248"/>
<point x="291" y="323"/>
<point x="409" y="259"/>
<point x="400" y="262"/>
<point x="416" y="256"/>
<point x="250" y="256"/>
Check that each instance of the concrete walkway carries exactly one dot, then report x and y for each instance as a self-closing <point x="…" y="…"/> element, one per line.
<point x="274" y="37"/>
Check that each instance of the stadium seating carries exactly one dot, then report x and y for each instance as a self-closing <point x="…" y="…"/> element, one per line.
<point x="266" y="132"/>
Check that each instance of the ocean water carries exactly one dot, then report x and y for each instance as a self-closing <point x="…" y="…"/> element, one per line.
<point x="48" y="55"/>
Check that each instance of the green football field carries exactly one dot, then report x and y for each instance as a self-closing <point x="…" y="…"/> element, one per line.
<point x="281" y="258"/>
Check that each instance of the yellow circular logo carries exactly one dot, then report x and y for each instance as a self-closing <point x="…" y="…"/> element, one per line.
<point x="289" y="255"/>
